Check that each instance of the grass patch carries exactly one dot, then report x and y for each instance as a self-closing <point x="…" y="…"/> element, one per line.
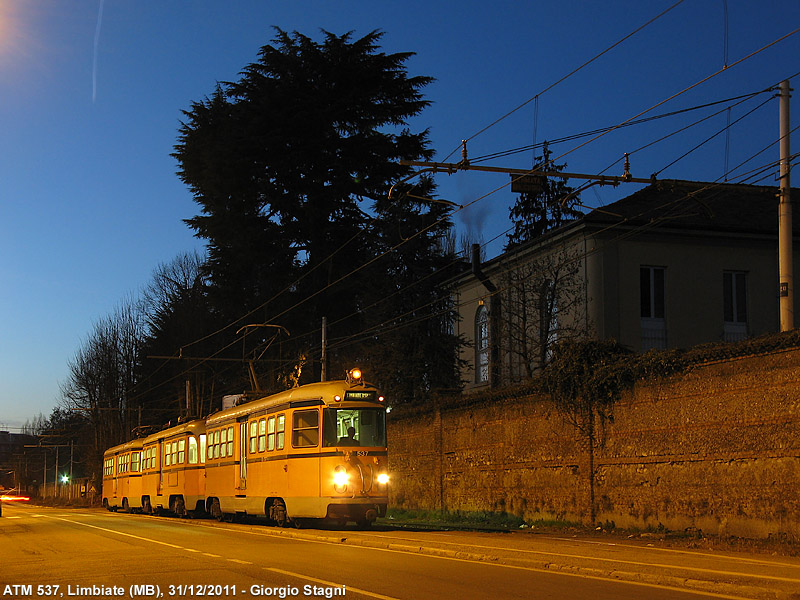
<point x="476" y="520"/>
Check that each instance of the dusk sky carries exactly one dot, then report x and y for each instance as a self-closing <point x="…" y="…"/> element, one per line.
<point x="92" y="92"/>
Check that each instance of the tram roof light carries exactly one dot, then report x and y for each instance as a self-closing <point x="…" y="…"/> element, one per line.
<point x="354" y="376"/>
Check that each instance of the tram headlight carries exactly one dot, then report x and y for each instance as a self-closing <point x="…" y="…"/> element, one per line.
<point x="383" y="478"/>
<point x="340" y="478"/>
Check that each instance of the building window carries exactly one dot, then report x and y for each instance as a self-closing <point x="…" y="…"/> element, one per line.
<point x="734" y="292"/>
<point x="652" y="303"/>
<point x="482" y="345"/>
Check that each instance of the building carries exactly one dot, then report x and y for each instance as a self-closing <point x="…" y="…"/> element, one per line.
<point x="675" y="264"/>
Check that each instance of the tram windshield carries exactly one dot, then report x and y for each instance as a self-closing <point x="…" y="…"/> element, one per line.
<point x="354" y="427"/>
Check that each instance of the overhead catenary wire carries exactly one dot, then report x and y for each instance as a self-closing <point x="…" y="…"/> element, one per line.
<point x="565" y="77"/>
<point x="496" y="190"/>
<point x="463" y="207"/>
<point x="576" y="136"/>
<point x="639" y="229"/>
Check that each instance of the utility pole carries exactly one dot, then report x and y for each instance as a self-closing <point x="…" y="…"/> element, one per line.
<point x="324" y="374"/>
<point x="785" y="268"/>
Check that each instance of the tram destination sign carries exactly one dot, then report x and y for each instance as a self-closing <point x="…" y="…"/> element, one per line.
<point x="371" y="396"/>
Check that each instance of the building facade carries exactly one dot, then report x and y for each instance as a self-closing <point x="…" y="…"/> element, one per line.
<point x="673" y="265"/>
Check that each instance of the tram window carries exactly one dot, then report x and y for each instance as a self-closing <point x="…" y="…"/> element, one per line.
<point x="280" y="427"/>
<point x="223" y="443"/>
<point x="174" y="453"/>
<point x="369" y="425"/>
<point x="262" y="432"/>
<point x="181" y="451"/>
<point x="230" y="441"/>
<point x="253" y="436"/>
<point x="192" y="450"/>
<point x="270" y="433"/>
<point x="305" y="429"/>
<point x="202" y="447"/>
<point x="135" y="457"/>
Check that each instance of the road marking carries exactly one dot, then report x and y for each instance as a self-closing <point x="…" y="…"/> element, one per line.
<point x="625" y="562"/>
<point x="606" y="579"/>
<point x="13" y="517"/>
<point x="331" y="584"/>
<point x="130" y="535"/>
<point x="687" y="552"/>
<point x="211" y="555"/>
<point x="241" y="562"/>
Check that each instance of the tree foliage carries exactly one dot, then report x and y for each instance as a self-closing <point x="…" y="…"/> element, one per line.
<point x="291" y="166"/>
<point x="536" y="213"/>
<point x="584" y="380"/>
<point x="103" y="375"/>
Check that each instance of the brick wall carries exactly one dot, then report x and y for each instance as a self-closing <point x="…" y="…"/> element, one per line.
<point x="717" y="449"/>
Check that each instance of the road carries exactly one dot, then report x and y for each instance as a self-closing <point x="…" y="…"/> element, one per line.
<point x="89" y="553"/>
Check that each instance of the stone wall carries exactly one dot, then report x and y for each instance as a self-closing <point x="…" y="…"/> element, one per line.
<point x="717" y="449"/>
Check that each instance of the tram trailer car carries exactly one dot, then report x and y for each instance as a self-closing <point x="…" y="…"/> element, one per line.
<point x="317" y="451"/>
<point x="173" y="474"/>
<point x="122" y="476"/>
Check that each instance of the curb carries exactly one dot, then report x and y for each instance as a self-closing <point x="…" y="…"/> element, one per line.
<point x="663" y="580"/>
<point x="730" y="590"/>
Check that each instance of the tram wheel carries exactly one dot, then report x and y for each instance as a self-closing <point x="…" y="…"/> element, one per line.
<point x="278" y="513"/>
<point x="215" y="510"/>
<point x="179" y="506"/>
<point x="125" y="506"/>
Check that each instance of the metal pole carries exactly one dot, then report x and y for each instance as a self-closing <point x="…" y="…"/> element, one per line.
<point x="324" y="374"/>
<point x="785" y="269"/>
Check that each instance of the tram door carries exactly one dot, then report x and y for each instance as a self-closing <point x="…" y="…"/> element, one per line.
<point x="241" y="470"/>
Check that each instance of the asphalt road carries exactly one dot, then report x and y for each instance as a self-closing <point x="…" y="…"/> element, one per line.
<point x="90" y="553"/>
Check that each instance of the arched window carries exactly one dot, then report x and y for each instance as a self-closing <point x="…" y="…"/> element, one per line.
<point x="482" y="345"/>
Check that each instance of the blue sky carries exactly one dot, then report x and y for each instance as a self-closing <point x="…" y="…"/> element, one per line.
<point x="89" y="200"/>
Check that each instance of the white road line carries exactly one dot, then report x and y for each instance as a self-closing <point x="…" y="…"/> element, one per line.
<point x="331" y="584"/>
<point x="626" y="562"/>
<point x="130" y="535"/>
<point x="688" y="553"/>
<point x="236" y="560"/>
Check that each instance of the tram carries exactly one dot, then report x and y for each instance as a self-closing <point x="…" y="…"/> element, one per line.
<point x="316" y="451"/>
<point x="173" y="476"/>
<point x="122" y="476"/>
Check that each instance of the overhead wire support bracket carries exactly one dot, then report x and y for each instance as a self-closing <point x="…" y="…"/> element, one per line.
<point x="450" y="168"/>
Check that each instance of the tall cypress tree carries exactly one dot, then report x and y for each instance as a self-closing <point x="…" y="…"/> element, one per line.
<point x="286" y="165"/>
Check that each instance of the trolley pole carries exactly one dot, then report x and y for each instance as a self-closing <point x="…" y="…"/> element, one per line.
<point x="785" y="267"/>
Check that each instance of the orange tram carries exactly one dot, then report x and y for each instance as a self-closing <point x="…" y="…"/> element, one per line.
<point x="316" y="451"/>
